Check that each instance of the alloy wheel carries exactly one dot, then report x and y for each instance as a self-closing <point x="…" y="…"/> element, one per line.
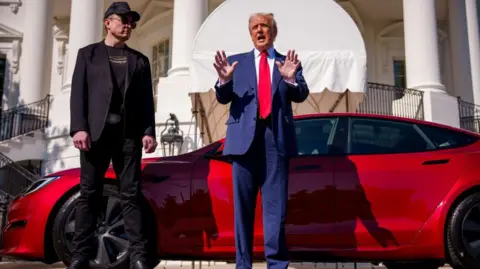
<point x="111" y="242"/>
<point x="471" y="232"/>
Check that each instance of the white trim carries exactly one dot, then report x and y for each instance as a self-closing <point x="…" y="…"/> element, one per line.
<point x="14" y="4"/>
<point x="10" y="45"/>
<point x="60" y="33"/>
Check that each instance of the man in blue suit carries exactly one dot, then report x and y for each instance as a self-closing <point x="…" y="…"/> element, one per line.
<point x="260" y="86"/>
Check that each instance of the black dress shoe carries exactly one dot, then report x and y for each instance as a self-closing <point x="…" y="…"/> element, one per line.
<point x="78" y="264"/>
<point x="140" y="265"/>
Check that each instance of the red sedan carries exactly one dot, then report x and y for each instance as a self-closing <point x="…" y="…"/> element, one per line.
<point x="363" y="188"/>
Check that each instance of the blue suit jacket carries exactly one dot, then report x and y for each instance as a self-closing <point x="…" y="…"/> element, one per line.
<point x="241" y="92"/>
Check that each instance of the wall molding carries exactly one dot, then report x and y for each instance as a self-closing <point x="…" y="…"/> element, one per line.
<point x="14" y="4"/>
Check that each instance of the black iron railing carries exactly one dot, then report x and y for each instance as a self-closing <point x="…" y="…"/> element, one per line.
<point x="393" y="101"/>
<point x="14" y="178"/>
<point x="469" y="114"/>
<point x="24" y="119"/>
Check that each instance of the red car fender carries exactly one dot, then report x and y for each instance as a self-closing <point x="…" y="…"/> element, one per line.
<point x="433" y="231"/>
<point x="43" y="214"/>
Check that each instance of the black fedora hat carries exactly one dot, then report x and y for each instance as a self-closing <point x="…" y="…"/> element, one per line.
<point x="121" y="8"/>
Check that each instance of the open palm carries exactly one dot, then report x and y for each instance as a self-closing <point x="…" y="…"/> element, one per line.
<point x="289" y="66"/>
<point x="223" y="67"/>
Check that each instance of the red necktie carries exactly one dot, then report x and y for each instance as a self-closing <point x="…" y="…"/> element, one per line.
<point x="264" y="87"/>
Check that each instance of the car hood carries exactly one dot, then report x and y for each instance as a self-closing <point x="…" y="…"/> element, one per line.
<point x="184" y="158"/>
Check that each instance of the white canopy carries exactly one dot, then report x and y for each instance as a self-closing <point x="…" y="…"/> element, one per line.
<point x="324" y="35"/>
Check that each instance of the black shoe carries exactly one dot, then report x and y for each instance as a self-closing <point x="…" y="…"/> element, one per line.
<point x="140" y="265"/>
<point x="79" y="264"/>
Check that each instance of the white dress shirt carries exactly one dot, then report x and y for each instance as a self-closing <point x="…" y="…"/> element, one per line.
<point x="270" y="59"/>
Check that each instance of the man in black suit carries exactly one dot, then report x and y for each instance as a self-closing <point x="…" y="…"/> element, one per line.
<point x="112" y="117"/>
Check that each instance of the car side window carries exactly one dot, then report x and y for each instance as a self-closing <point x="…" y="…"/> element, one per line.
<point x="313" y="135"/>
<point x="373" y="136"/>
<point x="444" y="138"/>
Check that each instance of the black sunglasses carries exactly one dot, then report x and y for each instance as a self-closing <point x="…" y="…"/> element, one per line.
<point x="126" y="20"/>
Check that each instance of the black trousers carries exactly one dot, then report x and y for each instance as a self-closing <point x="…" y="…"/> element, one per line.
<point x="125" y="155"/>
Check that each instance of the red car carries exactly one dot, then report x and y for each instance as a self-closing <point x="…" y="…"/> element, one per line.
<point x="363" y="188"/>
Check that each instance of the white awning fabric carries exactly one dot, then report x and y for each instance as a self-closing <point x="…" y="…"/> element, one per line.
<point x="327" y="41"/>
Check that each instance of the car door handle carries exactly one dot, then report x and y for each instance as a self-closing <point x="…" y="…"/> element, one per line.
<point x="307" y="167"/>
<point x="434" y="162"/>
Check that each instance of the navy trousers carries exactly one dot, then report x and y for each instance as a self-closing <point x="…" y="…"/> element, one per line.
<point x="261" y="168"/>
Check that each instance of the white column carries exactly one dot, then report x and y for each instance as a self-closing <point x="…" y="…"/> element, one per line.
<point x="474" y="45"/>
<point x="423" y="65"/>
<point x="421" y="45"/>
<point x="188" y="17"/>
<point x="37" y="46"/>
<point x="86" y="27"/>
<point x="459" y="50"/>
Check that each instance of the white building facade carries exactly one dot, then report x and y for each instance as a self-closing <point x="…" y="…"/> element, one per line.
<point x="432" y="46"/>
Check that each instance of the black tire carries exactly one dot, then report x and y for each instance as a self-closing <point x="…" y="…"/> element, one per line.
<point x="62" y="235"/>
<point x="459" y="233"/>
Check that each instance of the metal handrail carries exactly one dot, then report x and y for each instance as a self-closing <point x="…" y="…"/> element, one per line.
<point x="390" y="100"/>
<point x="14" y="178"/>
<point x="469" y="114"/>
<point x="24" y="119"/>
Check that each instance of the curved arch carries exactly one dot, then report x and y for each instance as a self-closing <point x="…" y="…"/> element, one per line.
<point x="399" y="26"/>
<point x="350" y="8"/>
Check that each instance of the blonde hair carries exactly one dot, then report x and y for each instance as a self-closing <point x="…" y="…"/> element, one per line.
<point x="270" y="16"/>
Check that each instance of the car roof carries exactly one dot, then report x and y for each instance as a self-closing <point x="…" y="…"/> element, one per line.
<point x="385" y="117"/>
<point x="377" y="116"/>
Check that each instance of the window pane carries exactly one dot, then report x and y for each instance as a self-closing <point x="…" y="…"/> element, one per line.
<point x="165" y="65"/>
<point x="399" y="73"/>
<point x="154" y="54"/>
<point x="167" y="47"/>
<point x="312" y="136"/>
<point x="369" y="136"/>
<point x="161" y="48"/>
<point x="3" y="65"/>
<point x="444" y="138"/>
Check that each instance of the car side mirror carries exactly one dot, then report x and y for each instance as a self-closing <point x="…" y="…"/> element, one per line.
<point x="218" y="157"/>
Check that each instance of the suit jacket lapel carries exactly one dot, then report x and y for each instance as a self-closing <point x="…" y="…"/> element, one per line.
<point x="253" y="71"/>
<point x="276" y="73"/>
<point x="131" y="66"/>
<point x="104" y="62"/>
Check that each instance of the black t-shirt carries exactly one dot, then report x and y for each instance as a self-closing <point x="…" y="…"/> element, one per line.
<point x="118" y="62"/>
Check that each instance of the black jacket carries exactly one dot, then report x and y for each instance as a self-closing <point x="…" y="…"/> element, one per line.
<point x="92" y="89"/>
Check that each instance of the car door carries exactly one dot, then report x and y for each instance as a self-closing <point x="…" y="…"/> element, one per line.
<point x="212" y="203"/>
<point x="390" y="182"/>
<point x="310" y="219"/>
<point x="166" y="185"/>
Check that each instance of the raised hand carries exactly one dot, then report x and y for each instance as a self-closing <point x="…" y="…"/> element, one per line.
<point x="289" y="67"/>
<point x="223" y="67"/>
